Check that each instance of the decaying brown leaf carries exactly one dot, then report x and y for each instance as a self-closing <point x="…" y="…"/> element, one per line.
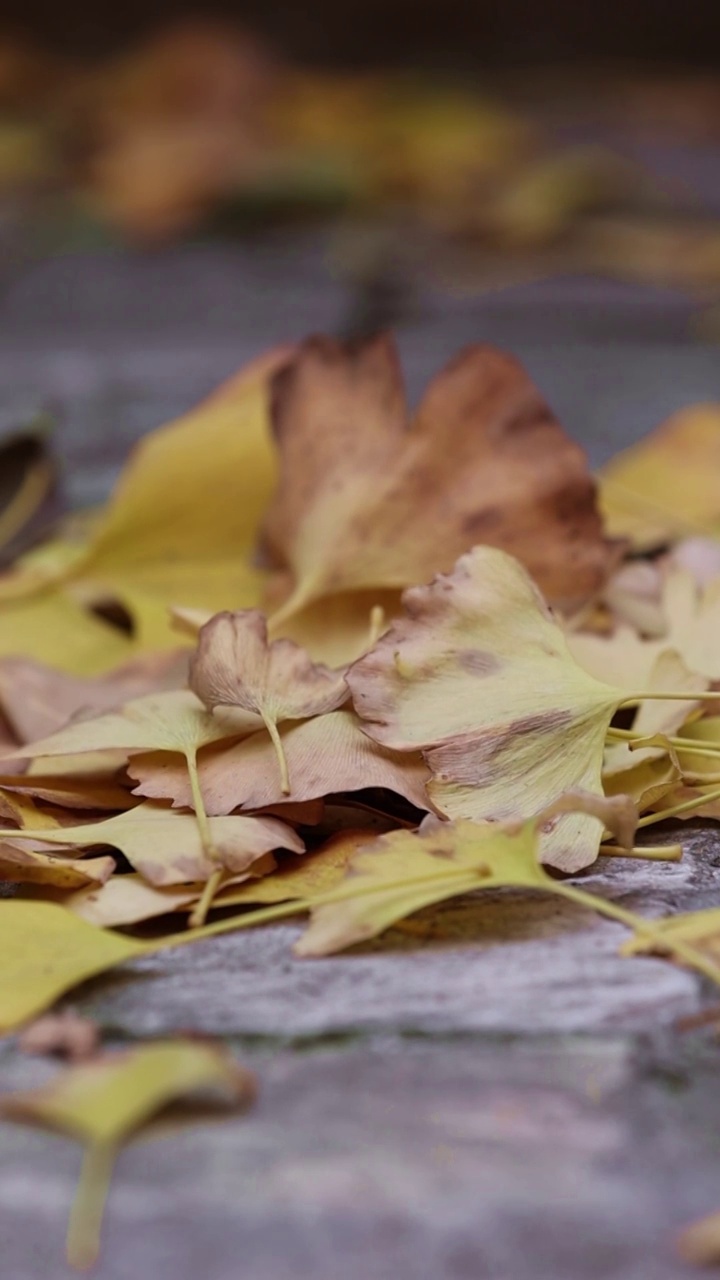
<point x="325" y="755"/>
<point x="368" y="499"/>
<point x="38" y="700"/>
<point x="235" y="666"/>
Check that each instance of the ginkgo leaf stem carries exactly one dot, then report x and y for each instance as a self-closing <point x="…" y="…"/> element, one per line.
<point x="274" y="732"/>
<point x="86" y="1215"/>
<point x="702" y="695"/>
<point x="377" y="625"/>
<point x="640" y="740"/>
<point x="199" y="912"/>
<point x="650" y="852"/>
<point x="203" y="821"/>
<point x="686" y="807"/>
<point x="648" y="928"/>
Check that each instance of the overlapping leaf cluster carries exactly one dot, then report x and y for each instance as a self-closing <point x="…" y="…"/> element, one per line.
<point x="352" y="637"/>
<point x="333" y="683"/>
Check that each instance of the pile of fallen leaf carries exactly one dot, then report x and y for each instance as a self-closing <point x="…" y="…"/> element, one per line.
<point x="319" y="656"/>
<point x="204" y="126"/>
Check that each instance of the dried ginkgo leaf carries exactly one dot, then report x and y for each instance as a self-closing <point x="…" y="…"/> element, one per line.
<point x="106" y="1101"/>
<point x="174" y="721"/>
<point x="325" y="755"/>
<point x="367" y="499"/>
<point x="480" y="678"/>
<point x="38" y="700"/>
<point x="21" y="865"/>
<point x="166" y="847"/>
<point x="129" y="899"/>
<point x="235" y="666"/>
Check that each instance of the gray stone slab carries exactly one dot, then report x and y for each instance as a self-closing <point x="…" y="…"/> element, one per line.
<point x="507" y="962"/>
<point x="513" y="1161"/>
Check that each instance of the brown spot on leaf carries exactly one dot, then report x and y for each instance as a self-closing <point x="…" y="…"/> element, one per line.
<point x="478" y="662"/>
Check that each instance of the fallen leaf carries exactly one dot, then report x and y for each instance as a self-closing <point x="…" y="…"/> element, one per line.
<point x="66" y="1034"/>
<point x="45" y="951"/>
<point x="301" y="878"/>
<point x="478" y="676"/>
<point x="699" y="1243"/>
<point x="328" y="754"/>
<point x="405" y="871"/>
<point x="235" y="666"/>
<point x="692" y="939"/>
<point x="105" y="1102"/>
<point x="167" y="848"/>
<point x="74" y="791"/>
<point x="177" y="530"/>
<point x="664" y="487"/>
<point x="366" y="499"/>
<point x="20" y="865"/>
<point x="189" y="501"/>
<point x="49" y="626"/>
<point x="129" y="899"/>
<point x="37" y="700"/>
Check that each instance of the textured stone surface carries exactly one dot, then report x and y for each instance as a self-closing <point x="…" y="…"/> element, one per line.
<point x="482" y="1160"/>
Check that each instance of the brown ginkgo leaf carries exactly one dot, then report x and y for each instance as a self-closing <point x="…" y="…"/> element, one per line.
<point x="326" y="755"/>
<point x="369" y="499"/>
<point x="236" y="666"/>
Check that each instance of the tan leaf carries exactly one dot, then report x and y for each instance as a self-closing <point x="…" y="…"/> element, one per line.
<point x="129" y="899"/>
<point x="22" y="865"/>
<point x="235" y="666"/>
<point x="480" y="678"/>
<point x="367" y="499"/>
<point x="325" y="755"/>
<point x="167" y="848"/>
<point x="38" y="700"/>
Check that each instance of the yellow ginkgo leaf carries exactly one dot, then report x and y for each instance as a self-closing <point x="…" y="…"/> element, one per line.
<point x="179" y="529"/>
<point x="692" y="939"/>
<point x="405" y="871"/>
<point x="235" y="666"/>
<point x="45" y="951"/>
<point x="108" y="1099"/>
<point x="478" y="676"/>
<point x="51" y="627"/>
<point x="665" y="486"/>
<point x="166" y="846"/>
<point x="182" y="521"/>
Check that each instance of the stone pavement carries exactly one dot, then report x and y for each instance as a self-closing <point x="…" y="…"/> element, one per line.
<point x="492" y="1094"/>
